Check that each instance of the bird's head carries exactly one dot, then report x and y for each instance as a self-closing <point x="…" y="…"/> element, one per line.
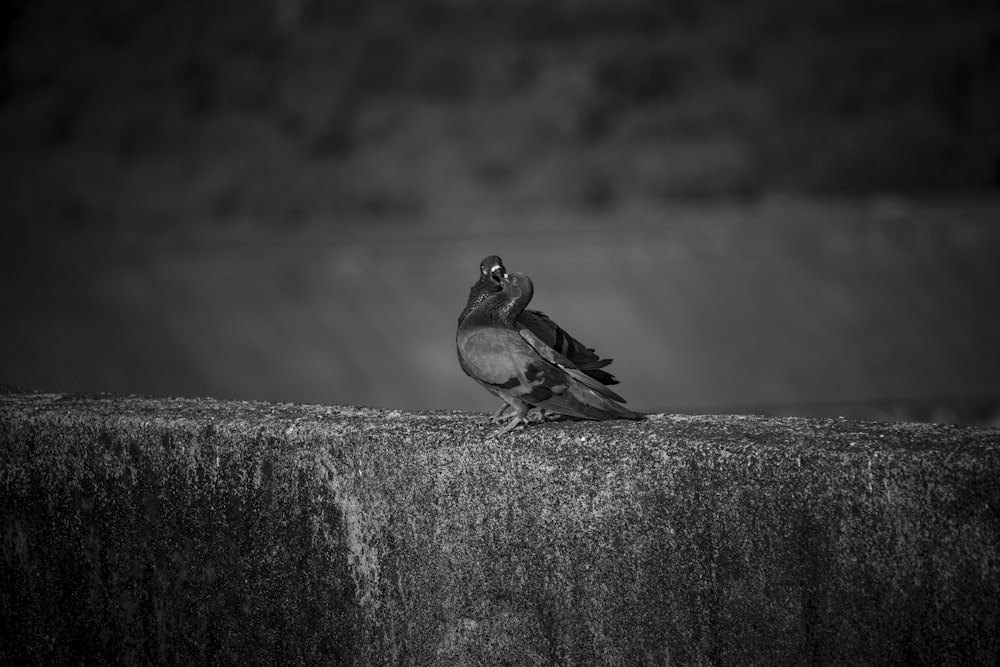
<point x="517" y="292"/>
<point x="493" y="272"/>
<point x="519" y="287"/>
<point x="491" y="276"/>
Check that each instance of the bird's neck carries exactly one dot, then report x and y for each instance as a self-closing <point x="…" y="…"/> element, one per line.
<point x="495" y="309"/>
<point x="511" y="307"/>
<point x="479" y="293"/>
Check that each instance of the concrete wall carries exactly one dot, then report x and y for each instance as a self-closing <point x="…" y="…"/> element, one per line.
<point x="188" y="530"/>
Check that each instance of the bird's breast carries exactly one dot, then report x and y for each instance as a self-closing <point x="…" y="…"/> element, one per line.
<point x="490" y="354"/>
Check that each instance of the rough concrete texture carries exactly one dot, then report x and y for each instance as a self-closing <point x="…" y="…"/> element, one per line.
<point x="189" y="530"/>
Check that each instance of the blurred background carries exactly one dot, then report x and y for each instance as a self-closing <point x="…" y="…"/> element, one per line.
<point x="754" y="206"/>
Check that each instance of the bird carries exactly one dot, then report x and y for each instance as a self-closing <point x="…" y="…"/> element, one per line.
<point x="491" y="272"/>
<point x="511" y="361"/>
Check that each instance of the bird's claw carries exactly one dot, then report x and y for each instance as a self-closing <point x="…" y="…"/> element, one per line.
<point x="533" y="416"/>
<point x="518" y="422"/>
<point x="498" y="416"/>
<point x="542" y="416"/>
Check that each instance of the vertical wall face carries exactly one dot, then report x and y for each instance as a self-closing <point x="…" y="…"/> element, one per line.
<point x="162" y="530"/>
<point x="127" y="539"/>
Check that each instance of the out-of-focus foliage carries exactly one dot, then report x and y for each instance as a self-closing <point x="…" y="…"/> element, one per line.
<point x="115" y="111"/>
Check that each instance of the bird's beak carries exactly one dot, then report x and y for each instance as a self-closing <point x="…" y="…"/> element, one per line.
<point x="497" y="273"/>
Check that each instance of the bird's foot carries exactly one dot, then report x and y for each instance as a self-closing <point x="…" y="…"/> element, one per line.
<point x="498" y="416"/>
<point x="518" y="421"/>
<point x="544" y="415"/>
<point x="538" y="416"/>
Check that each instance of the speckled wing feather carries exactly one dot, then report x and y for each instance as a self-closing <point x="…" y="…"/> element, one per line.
<point x="555" y="337"/>
<point x="502" y="362"/>
<point x="583" y="396"/>
<point x="552" y="356"/>
<point x="520" y="368"/>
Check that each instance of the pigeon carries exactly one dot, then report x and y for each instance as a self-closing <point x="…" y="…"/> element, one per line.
<point x="511" y="361"/>
<point x="491" y="272"/>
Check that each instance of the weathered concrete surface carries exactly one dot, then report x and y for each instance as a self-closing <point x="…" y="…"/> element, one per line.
<point x="184" y="530"/>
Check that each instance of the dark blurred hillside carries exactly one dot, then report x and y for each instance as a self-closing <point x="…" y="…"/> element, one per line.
<point x="161" y="113"/>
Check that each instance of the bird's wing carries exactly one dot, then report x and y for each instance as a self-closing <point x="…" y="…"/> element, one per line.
<point x="582" y="395"/>
<point x="502" y="361"/>
<point x="520" y="368"/>
<point x="558" y="339"/>
<point x="571" y="370"/>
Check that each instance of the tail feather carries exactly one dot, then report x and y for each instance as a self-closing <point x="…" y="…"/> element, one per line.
<point x="593" y="385"/>
<point x="586" y="404"/>
<point x="603" y="377"/>
<point x="587" y="399"/>
<point x="592" y="365"/>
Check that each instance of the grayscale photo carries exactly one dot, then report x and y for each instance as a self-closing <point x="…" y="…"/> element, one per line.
<point x="497" y="332"/>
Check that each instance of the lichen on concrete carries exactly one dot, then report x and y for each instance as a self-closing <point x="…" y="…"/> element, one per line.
<point x="153" y="530"/>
